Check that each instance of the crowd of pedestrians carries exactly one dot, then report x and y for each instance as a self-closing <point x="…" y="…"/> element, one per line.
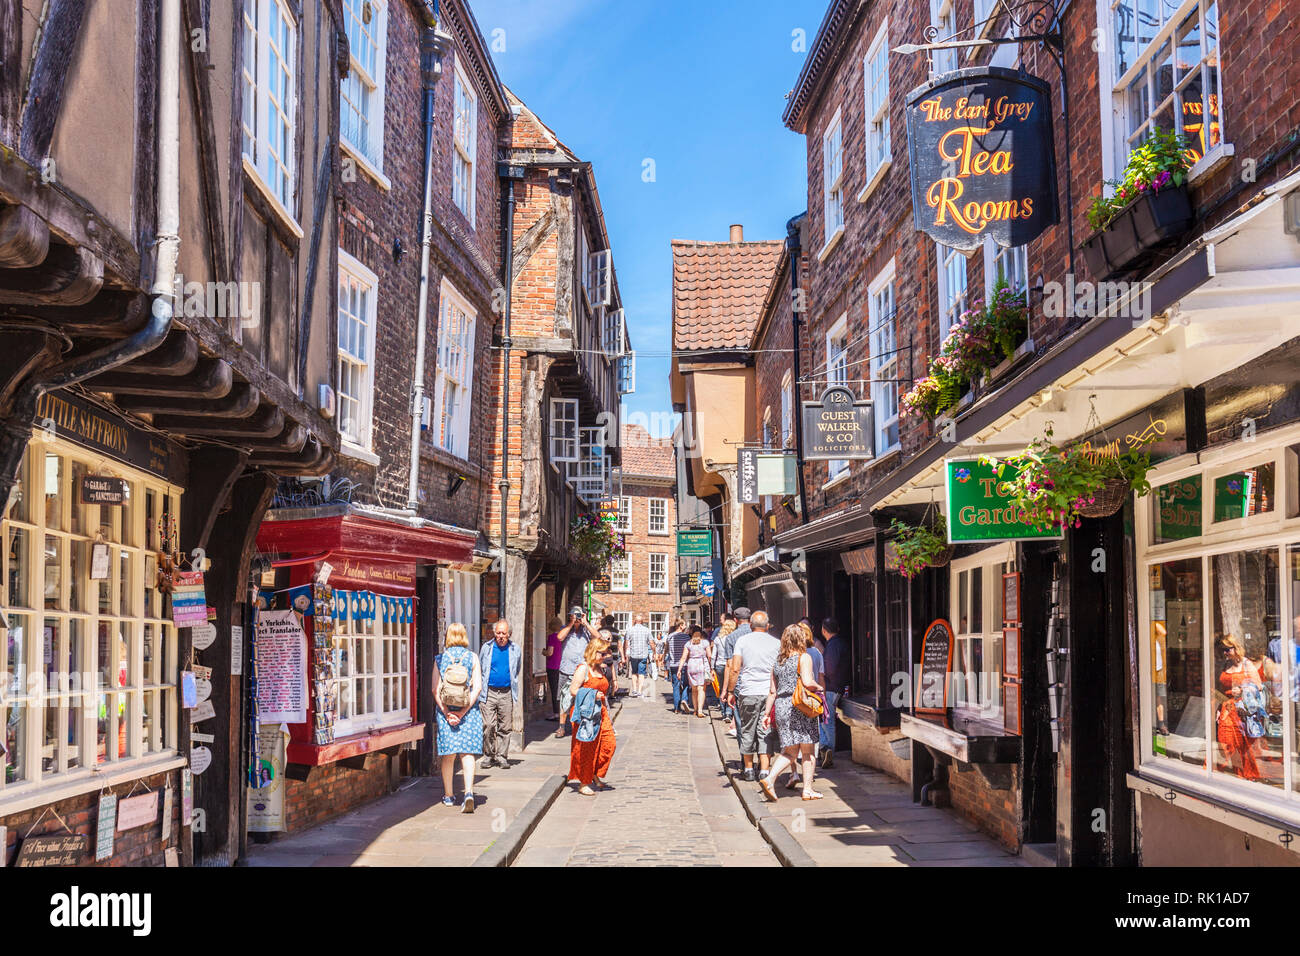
<point x="777" y="695"/>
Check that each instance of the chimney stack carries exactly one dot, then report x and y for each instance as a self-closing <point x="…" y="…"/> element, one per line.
<point x="737" y="232"/>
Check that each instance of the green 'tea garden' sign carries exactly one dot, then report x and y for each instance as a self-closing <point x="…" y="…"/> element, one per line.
<point x="978" y="511"/>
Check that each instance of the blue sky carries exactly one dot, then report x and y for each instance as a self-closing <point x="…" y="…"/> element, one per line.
<point x="697" y="87"/>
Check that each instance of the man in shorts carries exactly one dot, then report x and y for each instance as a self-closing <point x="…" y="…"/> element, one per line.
<point x="748" y="681"/>
<point x="637" y="641"/>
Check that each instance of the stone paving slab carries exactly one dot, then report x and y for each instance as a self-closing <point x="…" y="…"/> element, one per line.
<point x="412" y="828"/>
<point x="671" y="804"/>
<point x="867" y="818"/>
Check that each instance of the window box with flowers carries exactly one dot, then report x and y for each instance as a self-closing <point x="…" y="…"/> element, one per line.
<point x="1150" y="209"/>
<point x="984" y="337"/>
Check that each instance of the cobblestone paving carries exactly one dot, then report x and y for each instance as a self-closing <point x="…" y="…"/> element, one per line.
<point x="670" y="805"/>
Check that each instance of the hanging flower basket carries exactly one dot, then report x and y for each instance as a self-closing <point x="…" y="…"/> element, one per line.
<point x="1107" y="500"/>
<point x="917" y="547"/>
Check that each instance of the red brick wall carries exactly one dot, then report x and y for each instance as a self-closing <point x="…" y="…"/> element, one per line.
<point x="372" y="219"/>
<point x="334" y="789"/>
<point x="996" y="812"/>
<point x="139" y="846"/>
<point x="640" y="544"/>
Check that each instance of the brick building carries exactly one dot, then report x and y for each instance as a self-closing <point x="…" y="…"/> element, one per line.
<point x="562" y="359"/>
<point x="646" y="580"/>
<point x="1030" y="745"/>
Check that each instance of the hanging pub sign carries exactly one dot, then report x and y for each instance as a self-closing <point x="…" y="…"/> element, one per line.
<point x="838" y="428"/>
<point x="979" y="510"/>
<point x="980" y="150"/>
<point x="695" y="543"/>
<point x="747" y="475"/>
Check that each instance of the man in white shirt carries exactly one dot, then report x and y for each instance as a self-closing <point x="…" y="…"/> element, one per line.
<point x="637" y="641"/>
<point x="748" y="681"/>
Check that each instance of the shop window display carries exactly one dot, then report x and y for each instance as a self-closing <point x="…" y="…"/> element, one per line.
<point x="77" y="694"/>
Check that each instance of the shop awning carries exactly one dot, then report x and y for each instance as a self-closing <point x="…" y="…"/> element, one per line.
<point x="363" y="534"/>
<point x="1228" y="298"/>
<point x="848" y="526"/>
<point x="766" y="561"/>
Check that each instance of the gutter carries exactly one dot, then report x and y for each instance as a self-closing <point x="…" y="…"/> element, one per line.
<point x="167" y="243"/>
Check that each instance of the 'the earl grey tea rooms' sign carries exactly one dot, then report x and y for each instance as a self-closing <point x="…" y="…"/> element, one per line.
<point x="980" y="149"/>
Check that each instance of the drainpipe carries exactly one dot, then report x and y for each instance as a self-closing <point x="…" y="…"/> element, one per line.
<point x="511" y="174"/>
<point x="167" y="249"/>
<point x="793" y="246"/>
<point x="431" y="49"/>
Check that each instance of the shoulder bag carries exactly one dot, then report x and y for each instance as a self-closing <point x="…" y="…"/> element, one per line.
<point x="805" y="702"/>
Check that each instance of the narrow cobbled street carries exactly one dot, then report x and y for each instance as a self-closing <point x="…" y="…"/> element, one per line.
<point x="670" y="803"/>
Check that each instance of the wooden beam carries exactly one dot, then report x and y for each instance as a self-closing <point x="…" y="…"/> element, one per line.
<point x="67" y="276"/>
<point x="242" y="401"/>
<point x="24" y="237"/>
<point x="212" y="378"/>
<point x="11" y="68"/>
<point x="57" y="45"/>
<point x="324" y="186"/>
<point x="210" y="177"/>
<point x="267" y="422"/>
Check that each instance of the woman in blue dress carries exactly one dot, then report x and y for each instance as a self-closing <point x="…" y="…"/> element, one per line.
<point x="460" y="729"/>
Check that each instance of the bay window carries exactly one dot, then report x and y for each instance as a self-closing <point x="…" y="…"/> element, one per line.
<point x="90" y="664"/>
<point x="1219" y="611"/>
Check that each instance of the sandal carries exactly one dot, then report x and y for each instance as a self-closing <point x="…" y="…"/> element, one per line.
<point x="766" y="786"/>
<point x="794" y="783"/>
<point x="811" y="795"/>
<point x="586" y="791"/>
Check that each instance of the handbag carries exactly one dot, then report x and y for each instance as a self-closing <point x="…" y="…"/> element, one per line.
<point x="806" y="702"/>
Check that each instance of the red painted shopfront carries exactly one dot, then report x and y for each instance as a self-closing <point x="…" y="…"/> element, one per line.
<point x="364" y="661"/>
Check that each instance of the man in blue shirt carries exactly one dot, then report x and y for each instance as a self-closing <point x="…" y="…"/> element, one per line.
<point x="837" y="662"/>
<point x="501" y="663"/>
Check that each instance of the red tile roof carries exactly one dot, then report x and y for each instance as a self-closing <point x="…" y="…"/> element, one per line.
<point x="643" y="455"/>
<point x="718" y="291"/>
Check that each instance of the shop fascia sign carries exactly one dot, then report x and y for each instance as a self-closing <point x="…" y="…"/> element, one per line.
<point x="839" y="427"/>
<point x="980" y="151"/>
<point x="979" y="508"/>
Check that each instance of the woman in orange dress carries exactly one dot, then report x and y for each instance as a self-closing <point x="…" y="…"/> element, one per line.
<point x="1237" y="747"/>
<point x="589" y="761"/>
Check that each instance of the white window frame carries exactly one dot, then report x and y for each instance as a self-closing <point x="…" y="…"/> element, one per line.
<point x="1013" y="262"/>
<point x="590" y="474"/>
<point x="837" y="373"/>
<point x="658" y="624"/>
<point x="875" y="86"/>
<point x="625" y="372"/>
<point x="563" y="433"/>
<point x="992" y="562"/>
<point x="787" y="409"/>
<point x="374" y="654"/>
<point x="1276" y="529"/>
<point x="464" y="147"/>
<point x="613" y="333"/>
<point x="951" y="303"/>
<point x="943" y="18"/>
<point x="366" y="85"/>
<point x="454" y="375"/>
<point x="624" y="522"/>
<point x="660" y="559"/>
<point x="1125" y="130"/>
<point x="620" y="573"/>
<point x="884" y="358"/>
<point x="51" y="521"/>
<point x="272" y="171"/>
<point x="832" y="184"/>
<point x="358" y="442"/>
<point x="462" y="593"/>
<point x="663" y="528"/>
<point x="599" y="278"/>
<point x="622" y="621"/>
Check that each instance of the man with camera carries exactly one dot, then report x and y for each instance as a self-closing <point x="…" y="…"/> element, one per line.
<point x="574" y="638"/>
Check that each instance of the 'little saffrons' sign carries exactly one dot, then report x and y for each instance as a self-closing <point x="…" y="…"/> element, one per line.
<point x="980" y="149"/>
<point x="979" y="511"/>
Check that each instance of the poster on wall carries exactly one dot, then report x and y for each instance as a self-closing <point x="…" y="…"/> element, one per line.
<point x="980" y="151"/>
<point x="266" y="800"/>
<point x="281" y="648"/>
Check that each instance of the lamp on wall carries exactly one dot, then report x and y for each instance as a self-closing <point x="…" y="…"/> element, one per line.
<point x="453" y="484"/>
